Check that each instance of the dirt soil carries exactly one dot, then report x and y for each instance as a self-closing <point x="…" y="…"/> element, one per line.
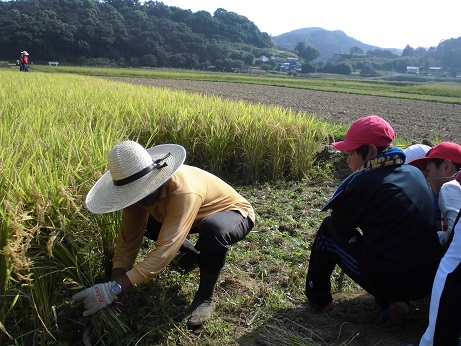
<point x="413" y="120"/>
<point x="353" y="321"/>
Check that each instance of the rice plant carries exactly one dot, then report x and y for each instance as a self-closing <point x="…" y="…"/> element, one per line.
<point x="55" y="137"/>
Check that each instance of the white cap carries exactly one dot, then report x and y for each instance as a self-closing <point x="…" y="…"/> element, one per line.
<point x="416" y="151"/>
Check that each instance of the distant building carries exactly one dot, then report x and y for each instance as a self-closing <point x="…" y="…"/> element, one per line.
<point x="435" y="71"/>
<point x="284" y="66"/>
<point x="263" y="58"/>
<point x="413" y="69"/>
<point x="277" y="58"/>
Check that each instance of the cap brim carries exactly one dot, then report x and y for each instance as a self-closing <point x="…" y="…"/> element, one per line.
<point x="105" y="197"/>
<point x="420" y="163"/>
<point x="345" y="146"/>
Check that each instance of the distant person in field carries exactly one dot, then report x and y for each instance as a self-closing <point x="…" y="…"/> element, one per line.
<point x="25" y="61"/>
<point x="381" y="228"/>
<point x="179" y="200"/>
<point x="21" y="61"/>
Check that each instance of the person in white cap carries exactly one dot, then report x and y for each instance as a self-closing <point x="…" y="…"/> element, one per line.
<point x="25" y="61"/>
<point x="415" y="151"/>
<point x="418" y="151"/>
<point x="183" y="199"/>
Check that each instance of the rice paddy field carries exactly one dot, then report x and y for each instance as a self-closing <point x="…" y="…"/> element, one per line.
<point x="56" y="132"/>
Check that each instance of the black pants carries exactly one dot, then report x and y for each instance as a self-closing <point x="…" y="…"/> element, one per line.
<point x="448" y="325"/>
<point x="347" y="250"/>
<point x="216" y="233"/>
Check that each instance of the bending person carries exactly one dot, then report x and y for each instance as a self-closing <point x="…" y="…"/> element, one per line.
<point x="183" y="199"/>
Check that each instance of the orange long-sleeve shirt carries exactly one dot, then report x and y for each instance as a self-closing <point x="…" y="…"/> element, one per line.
<point x="189" y="196"/>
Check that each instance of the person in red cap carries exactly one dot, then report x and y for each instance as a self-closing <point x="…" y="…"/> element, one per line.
<point x="442" y="168"/>
<point x="381" y="228"/>
<point x="439" y="165"/>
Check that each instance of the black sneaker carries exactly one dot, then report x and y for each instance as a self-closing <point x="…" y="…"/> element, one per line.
<point x="322" y="308"/>
<point x="394" y="314"/>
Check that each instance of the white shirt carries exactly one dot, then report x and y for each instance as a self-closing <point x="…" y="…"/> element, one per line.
<point x="450" y="204"/>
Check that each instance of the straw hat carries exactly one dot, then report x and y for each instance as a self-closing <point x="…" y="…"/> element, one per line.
<point x="25" y="53"/>
<point x="134" y="173"/>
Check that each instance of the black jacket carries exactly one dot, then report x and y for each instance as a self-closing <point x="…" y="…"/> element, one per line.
<point x="394" y="209"/>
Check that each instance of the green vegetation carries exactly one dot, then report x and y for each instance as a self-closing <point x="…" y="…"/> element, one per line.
<point x="55" y="138"/>
<point x="440" y="92"/>
<point x="128" y="33"/>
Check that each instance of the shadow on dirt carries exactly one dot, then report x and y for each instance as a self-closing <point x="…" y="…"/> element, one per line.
<point x="353" y="321"/>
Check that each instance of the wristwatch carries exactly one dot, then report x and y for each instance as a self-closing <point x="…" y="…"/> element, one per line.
<point x="116" y="289"/>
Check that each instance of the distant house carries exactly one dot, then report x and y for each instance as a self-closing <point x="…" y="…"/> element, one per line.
<point x="263" y="58"/>
<point x="413" y="69"/>
<point x="436" y="71"/>
<point x="284" y="67"/>
<point x="277" y="58"/>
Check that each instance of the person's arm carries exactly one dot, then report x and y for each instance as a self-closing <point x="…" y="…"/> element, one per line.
<point x="130" y="237"/>
<point x="351" y="204"/>
<point x="450" y="204"/>
<point x="181" y="212"/>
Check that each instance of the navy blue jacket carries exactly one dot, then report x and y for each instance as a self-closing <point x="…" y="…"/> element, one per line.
<point x="394" y="209"/>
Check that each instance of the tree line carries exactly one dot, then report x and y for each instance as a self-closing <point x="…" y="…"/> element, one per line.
<point x="447" y="55"/>
<point x="128" y="33"/>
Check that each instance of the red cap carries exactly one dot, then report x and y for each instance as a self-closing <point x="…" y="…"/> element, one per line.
<point x="444" y="150"/>
<point x="365" y="131"/>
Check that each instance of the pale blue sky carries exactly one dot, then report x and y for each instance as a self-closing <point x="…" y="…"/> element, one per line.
<point x="386" y="24"/>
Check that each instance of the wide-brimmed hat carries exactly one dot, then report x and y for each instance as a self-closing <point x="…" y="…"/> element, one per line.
<point x="134" y="172"/>
<point x="444" y="151"/>
<point x="368" y="130"/>
<point x="25" y="53"/>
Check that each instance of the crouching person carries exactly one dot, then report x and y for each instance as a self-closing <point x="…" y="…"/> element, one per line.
<point x="381" y="229"/>
<point x="182" y="199"/>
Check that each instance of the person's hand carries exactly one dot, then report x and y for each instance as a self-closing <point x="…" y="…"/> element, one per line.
<point x="96" y="298"/>
<point x="444" y="237"/>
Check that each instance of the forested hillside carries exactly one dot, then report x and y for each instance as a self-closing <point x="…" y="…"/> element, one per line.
<point x="128" y="33"/>
<point x="327" y="42"/>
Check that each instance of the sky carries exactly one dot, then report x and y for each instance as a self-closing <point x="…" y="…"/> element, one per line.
<point x="386" y="24"/>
